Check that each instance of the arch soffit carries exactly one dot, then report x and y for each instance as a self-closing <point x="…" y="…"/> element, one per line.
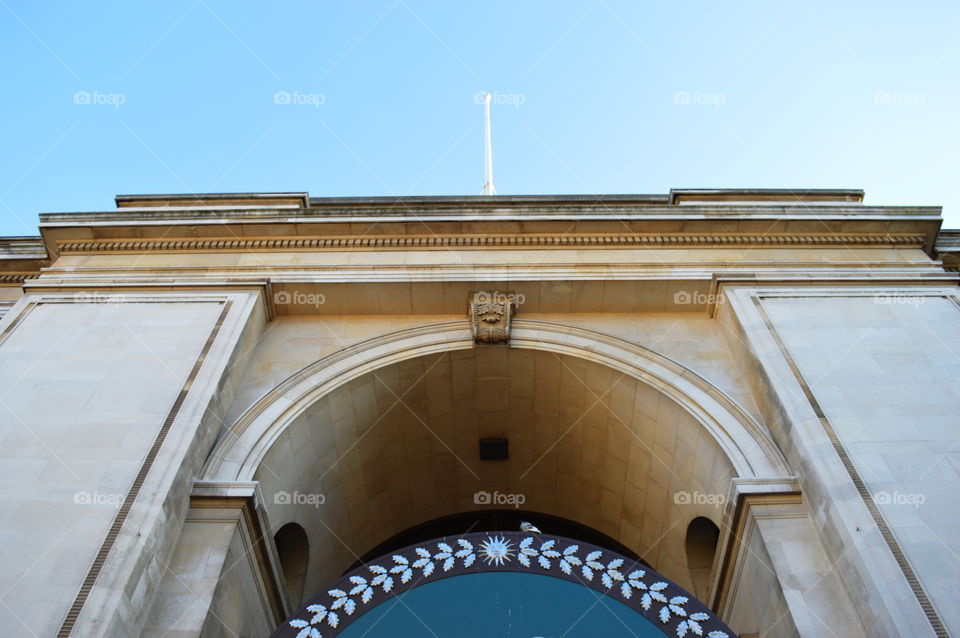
<point x="747" y="445"/>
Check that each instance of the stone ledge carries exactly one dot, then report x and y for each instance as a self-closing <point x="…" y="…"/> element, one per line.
<point x="404" y="242"/>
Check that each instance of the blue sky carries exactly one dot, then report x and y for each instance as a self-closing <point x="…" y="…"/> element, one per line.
<point x="377" y="98"/>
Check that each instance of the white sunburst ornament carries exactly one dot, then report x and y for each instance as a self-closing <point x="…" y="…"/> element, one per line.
<point x="496" y="550"/>
<point x="648" y="593"/>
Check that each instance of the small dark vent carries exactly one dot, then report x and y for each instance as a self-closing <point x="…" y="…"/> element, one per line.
<point x="494" y="449"/>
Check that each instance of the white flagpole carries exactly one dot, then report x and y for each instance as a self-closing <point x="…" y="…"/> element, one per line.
<point x="488" y="188"/>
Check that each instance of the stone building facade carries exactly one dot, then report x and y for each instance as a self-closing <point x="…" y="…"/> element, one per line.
<point x="213" y="406"/>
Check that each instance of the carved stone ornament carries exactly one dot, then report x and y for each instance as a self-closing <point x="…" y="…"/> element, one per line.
<point x="490" y="314"/>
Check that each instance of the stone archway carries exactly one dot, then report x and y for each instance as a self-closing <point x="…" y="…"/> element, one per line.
<point x="382" y="436"/>
<point x="745" y="441"/>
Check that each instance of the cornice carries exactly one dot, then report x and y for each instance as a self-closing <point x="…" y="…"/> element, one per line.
<point x="22" y="248"/>
<point x="746" y="271"/>
<point x="542" y="241"/>
<point x="16" y="278"/>
<point x="21" y="258"/>
<point x="220" y="222"/>
<point x="947" y="248"/>
<point x="472" y="211"/>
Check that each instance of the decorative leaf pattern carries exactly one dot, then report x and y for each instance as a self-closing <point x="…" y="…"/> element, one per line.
<point x="531" y="553"/>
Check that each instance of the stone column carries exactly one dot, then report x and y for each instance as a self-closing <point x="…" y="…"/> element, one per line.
<point x="223" y="579"/>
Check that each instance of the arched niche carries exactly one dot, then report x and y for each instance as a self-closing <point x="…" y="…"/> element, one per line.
<point x="293" y="551"/>
<point x="701" y="548"/>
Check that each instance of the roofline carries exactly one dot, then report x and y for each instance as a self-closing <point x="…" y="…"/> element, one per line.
<point x="675" y="196"/>
<point x="489" y="200"/>
<point x="685" y="210"/>
<point x="742" y="195"/>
